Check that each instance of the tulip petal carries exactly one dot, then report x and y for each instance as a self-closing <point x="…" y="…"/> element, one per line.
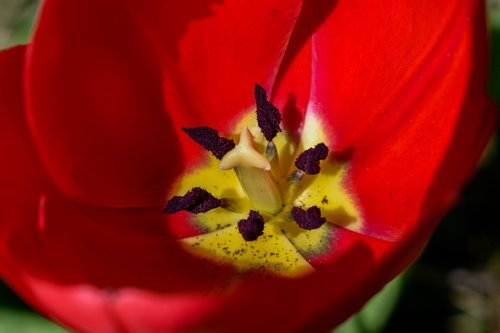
<point x="95" y="106"/>
<point x="293" y="85"/>
<point x="21" y="173"/>
<point x="54" y="251"/>
<point x="317" y="302"/>
<point x="85" y="256"/>
<point x="214" y="52"/>
<point x="127" y="261"/>
<point x="218" y="53"/>
<point x="143" y="311"/>
<point x="22" y="181"/>
<point x="404" y="103"/>
<point x="106" y="102"/>
<point x="79" y="301"/>
<point x="329" y="292"/>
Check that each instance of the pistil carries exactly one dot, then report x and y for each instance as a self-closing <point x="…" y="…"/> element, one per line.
<point x="254" y="173"/>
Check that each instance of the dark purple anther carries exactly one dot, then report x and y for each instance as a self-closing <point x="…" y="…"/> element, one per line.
<point x="268" y="116"/>
<point x="308" y="219"/>
<point x="308" y="161"/>
<point x="196" y="201"/>
<point x="210" y="140"/>
<point x="252" y="227"/>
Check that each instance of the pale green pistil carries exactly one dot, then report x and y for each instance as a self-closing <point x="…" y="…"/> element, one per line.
<point x="254" y="173"/>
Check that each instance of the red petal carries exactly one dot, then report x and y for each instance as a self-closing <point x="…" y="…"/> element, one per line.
<point x="78" y="252"/>
<point x="73" y="254"/>
<point x="21" y="181"/>
<point x="294" y="81"/>
<point x="97" y="91"/>
<point x="95" y="106"/>
<point x="360" y="267"/>
<point x="65" y="303"/>
<point x="142" y="311"/>
<point x="217" y="52"/>
<point x="21" y="174"/>
<point x="403" y="91"/>
<point x="134" y="247"/>
<point x="214" y="54"/>
<point x="117" y="265"/>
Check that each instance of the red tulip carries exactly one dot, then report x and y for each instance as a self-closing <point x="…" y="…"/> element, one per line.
<point x="91" y="118"/>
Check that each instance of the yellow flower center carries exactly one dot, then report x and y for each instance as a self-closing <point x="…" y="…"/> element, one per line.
<point x="265" y="180"/>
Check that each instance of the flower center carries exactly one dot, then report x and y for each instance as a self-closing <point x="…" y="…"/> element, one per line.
<point x="277" y="211"/>
<point x="254" y="173"/>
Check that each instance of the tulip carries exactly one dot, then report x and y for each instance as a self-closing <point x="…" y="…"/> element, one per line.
<point x="376" y="117"/>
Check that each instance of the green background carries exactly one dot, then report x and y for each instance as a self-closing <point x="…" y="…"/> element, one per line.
<point x="454" y="287"/>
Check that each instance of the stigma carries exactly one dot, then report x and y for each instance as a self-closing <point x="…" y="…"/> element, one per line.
<point x="264" y="202"/>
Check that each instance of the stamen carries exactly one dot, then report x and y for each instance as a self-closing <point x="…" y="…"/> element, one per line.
<point x="293" y="185"/>
<point x="296" y="176"/>
<point x="252" y="227"/>
<point x="308" y="161"/>
<point x="209" y="139"/>
<point x="272" y="157"/>
<point x="268" y="116"/>
<point x="196" y="201"/>
<point x="308" y="219"/>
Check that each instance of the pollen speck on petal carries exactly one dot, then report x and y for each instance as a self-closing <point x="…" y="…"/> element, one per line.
<point x="196" y="201"/>
<point x="209" y="139"/>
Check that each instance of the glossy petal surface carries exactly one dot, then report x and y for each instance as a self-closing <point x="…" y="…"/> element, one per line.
<point x="103" y="96"/>
<point x="404" y="103"/>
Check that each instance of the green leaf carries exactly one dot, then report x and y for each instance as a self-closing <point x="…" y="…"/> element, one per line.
<point x="494" y="14"/>
<point x="24" y="24"/>
<point x="26" y="322"/>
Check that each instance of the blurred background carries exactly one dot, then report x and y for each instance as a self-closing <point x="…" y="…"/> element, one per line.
<point x="453" y="288"/>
